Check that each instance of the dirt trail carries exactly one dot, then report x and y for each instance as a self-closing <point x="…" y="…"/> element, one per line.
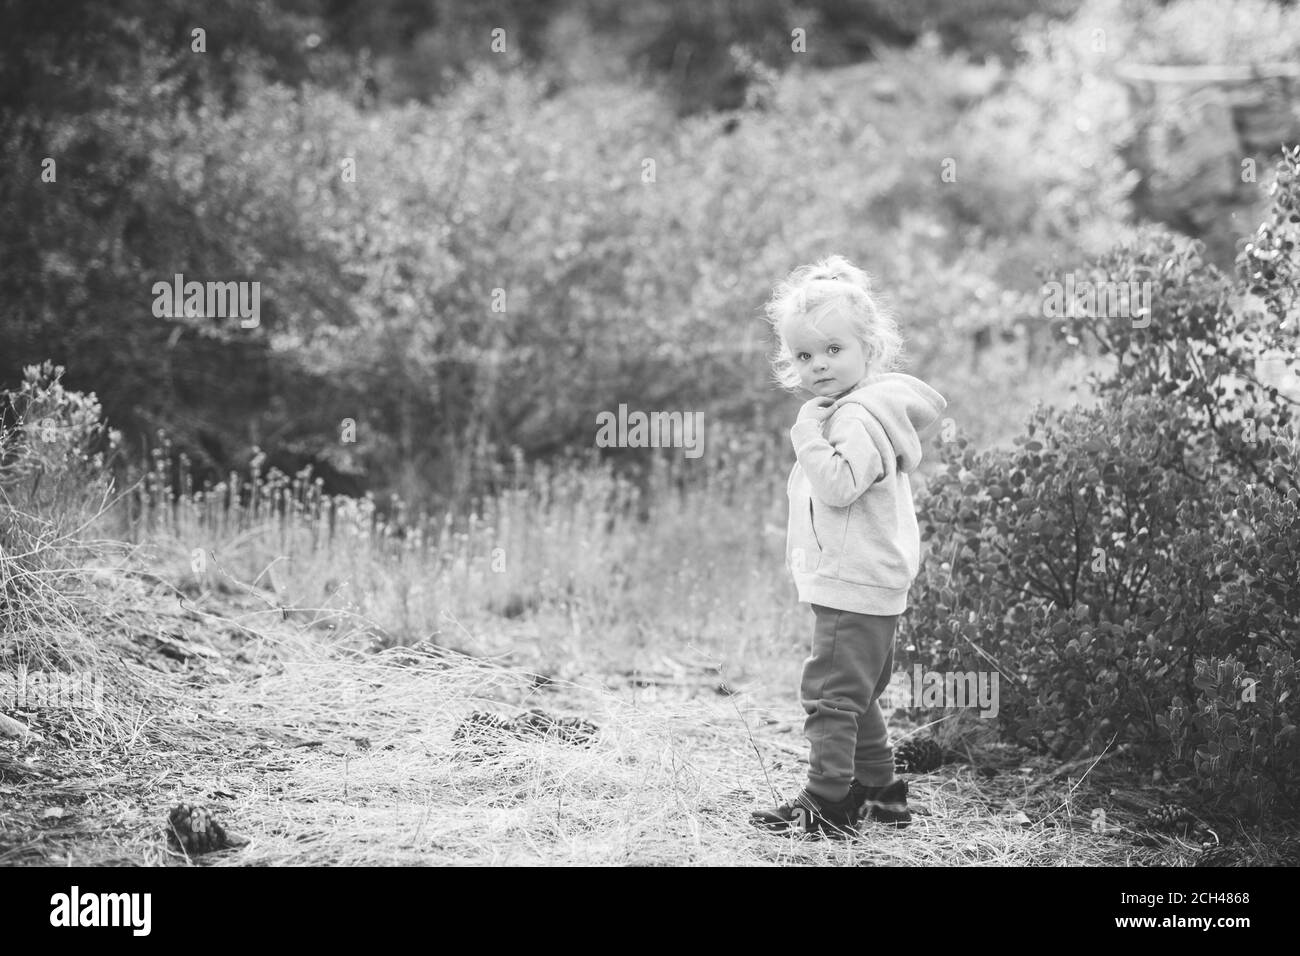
<point x="309" y="753"/>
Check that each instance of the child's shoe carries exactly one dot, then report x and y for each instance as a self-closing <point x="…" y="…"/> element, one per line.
<point x="810" y="814"/>
<point x="886" y="804"/>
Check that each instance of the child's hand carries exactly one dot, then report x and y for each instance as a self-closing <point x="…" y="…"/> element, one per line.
<point x="816" y="409"/>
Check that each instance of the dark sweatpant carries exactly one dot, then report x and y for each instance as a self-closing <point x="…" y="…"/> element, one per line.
<point x="850" y="665"/>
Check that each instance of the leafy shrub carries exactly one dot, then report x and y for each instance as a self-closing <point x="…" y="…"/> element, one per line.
<point x="1239" y="741"/>
<point x="1267" y="264"/>
<point x="1204" y="334"/>
<point x="1259" y="561"/>
<point x="1062" y="564"/>
<point x="1122" y="553"/>
<point x="53" y="446"/>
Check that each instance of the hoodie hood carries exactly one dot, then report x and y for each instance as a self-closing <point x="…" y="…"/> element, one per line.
<point x="898" y="407"/>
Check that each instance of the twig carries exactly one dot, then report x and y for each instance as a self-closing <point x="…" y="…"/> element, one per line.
<point x="1073" y="764"/>
<point x="753" y="743"/>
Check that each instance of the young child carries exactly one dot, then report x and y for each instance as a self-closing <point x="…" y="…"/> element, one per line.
<point x="852" y="543"/>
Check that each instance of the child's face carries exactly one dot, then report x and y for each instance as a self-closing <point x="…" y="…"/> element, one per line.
<point x="830" y="360"/>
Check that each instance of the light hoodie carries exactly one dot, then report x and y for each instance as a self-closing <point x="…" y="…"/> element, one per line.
<point x="852" y="541"/>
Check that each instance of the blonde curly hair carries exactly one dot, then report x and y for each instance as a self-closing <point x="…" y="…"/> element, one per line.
<point x="832" y="285"/>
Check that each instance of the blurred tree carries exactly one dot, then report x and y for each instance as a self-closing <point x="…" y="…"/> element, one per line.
<point x="108" y="94"/>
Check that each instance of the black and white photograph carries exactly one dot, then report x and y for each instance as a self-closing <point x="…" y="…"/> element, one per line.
<point x="675" y="434"/>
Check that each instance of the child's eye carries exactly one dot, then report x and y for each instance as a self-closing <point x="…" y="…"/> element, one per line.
<point x="802" y="356"/>
<point x="833" y="349"/>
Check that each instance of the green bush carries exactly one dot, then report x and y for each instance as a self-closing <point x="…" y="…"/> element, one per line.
<point x="1121" y="553"/>
<point x="1061" y="563"/>
<point x="1239" y="741"/>
<point x="53" y="450"/>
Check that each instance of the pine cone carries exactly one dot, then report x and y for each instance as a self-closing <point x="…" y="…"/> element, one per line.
<point x="487" y="731"/>
<point x="1168" y="816"/>
<point x="575" y="730"/>
<point x="918" y="755"/>
<point x="481" y="725"/>
<point x="1220" y="855"/>
<point x="483" y="731"/>
<point x="195" y="830"/>
<point x="570" y="730"/>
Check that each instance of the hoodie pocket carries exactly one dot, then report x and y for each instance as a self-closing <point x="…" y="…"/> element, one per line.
<point x="803" y="552"/>
<point x="829" y="525"/>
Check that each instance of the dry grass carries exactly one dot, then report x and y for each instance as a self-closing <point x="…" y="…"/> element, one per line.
<point x="318" y="752"/>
